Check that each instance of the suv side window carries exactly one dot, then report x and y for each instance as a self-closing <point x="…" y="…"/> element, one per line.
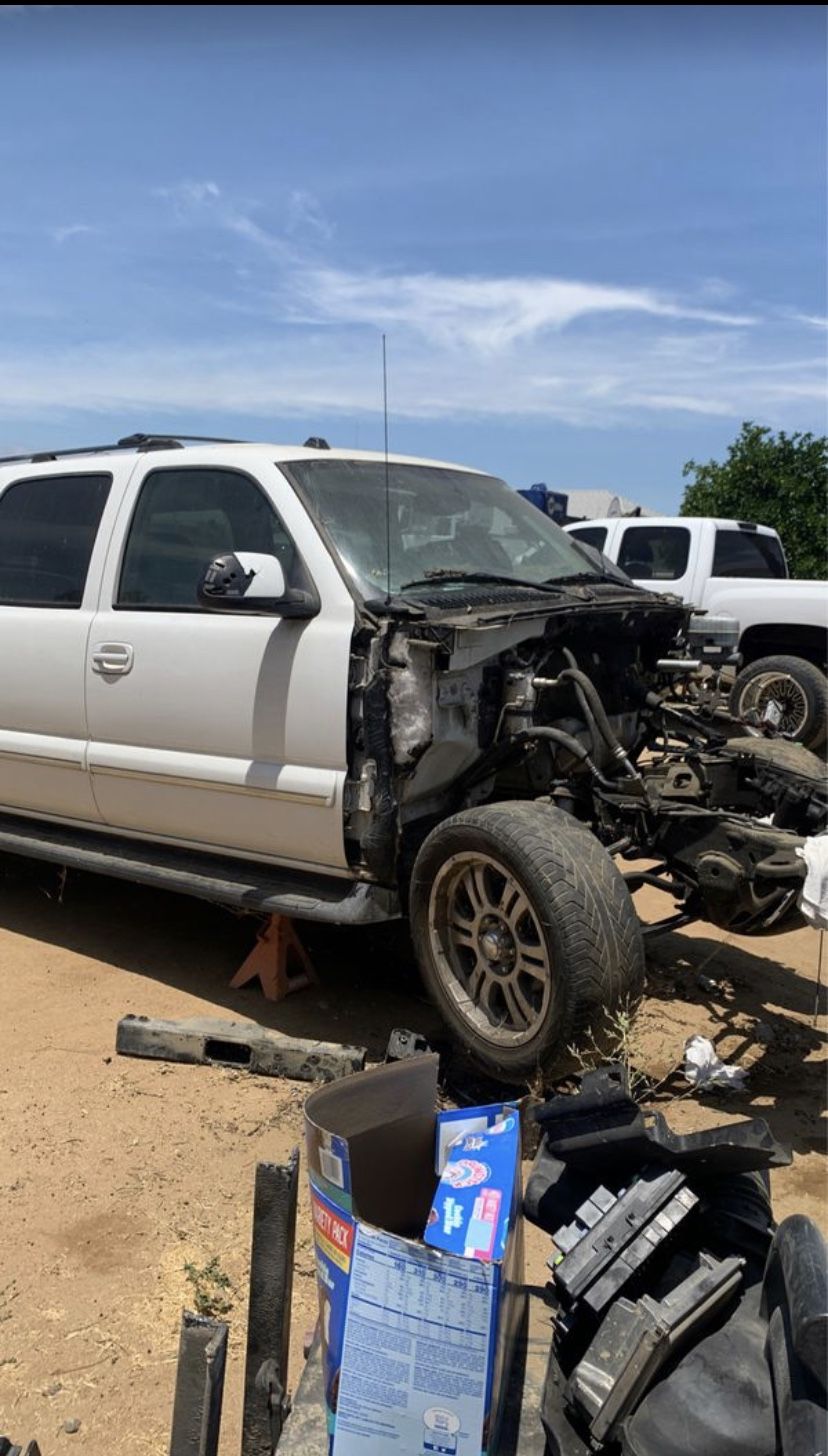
<point x="185" y="517"/>
<point x="48" y="526"/>
<point x="746" y="553"/>
<point x="591" y="535"/>
<point x="655" y="553"/>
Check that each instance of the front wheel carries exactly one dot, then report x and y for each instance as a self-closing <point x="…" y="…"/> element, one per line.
<point x="525" y="934"/>
<point x="799" y="691"/>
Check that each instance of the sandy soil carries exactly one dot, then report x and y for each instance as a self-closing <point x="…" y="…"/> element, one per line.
<point x="116" y="1173"/>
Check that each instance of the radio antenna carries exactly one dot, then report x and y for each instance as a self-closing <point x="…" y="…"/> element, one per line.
<point x="387" y="480"/>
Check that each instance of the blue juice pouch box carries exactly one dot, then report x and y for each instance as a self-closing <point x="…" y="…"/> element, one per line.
<point x="472" y="1210"/>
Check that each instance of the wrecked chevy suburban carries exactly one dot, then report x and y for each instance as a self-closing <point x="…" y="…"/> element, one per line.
<point x="342" y="687"/>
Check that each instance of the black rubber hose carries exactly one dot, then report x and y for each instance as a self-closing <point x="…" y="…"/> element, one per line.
<point x="597" y="739"/>
<point x="574" y="674"/>
<point x="586" y="689"/>
<point x="557" y="735"/>
<point x="504" y="751"/>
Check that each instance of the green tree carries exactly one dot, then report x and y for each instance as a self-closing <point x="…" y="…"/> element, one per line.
<point x="775" y="480"/>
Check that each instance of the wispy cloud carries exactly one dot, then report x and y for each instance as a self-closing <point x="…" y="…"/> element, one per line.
<point x="813" y="321"/>
<point x="190" y="194"/>
<point x="596" y="382"/>
<point x="588" y="352"/>
<point x="305" y="215"/>
<point x="188" y="197"/>
<point x="72" y="230"/>
<point x="203" y="204"/>
<point x="482" y="313"/>
<point x="466" y="310"/>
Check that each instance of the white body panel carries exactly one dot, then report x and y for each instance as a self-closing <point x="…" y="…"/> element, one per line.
<point x="42" y="657"/>
<point x="755" y="602"/>
<point x="229" y="729"/>
<point x="764" y="603"/>
<point x="222" y="730"/>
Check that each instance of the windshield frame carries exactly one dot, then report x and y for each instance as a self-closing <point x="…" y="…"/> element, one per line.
<point x="363" y="589"/>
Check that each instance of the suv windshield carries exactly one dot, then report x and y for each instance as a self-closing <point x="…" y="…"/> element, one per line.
<point x="442" y="522"/>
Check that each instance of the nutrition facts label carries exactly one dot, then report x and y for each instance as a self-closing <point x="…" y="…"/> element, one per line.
<point x="416" y="1352"/>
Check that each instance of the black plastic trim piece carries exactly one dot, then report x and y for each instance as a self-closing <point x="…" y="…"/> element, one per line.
<point x="222" y="879"/>
<point x="199" y="1386"/>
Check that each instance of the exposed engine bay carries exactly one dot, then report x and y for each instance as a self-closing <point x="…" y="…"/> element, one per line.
<point x="580" y="700"/>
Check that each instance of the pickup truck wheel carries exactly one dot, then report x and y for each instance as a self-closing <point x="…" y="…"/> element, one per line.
<point x="798" y="687"/>
<point x="525" y="934"/>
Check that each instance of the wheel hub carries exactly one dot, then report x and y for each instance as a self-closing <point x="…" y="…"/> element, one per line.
<point x="497" y="945"/>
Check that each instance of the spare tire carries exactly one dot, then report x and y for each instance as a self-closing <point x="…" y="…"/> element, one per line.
<point x="525" y="934"/>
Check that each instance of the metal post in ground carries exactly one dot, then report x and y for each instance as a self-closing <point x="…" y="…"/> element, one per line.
<point x="199" y="1386"/>
<point x="268" y="1319"/>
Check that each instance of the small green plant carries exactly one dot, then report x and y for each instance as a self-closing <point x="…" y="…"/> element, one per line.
<point x="613" y="1043"/>
<point x="212" y="1290"/>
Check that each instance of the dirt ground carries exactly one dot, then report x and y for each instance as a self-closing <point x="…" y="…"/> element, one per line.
<point x="115" y="1173"/>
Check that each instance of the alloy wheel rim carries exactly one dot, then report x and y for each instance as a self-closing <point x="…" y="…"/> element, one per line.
<point x="488" y="949"/>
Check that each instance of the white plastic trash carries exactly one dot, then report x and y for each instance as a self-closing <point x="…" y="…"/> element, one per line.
<point x="703" y="1068"/>
<point x="813" y="899"/>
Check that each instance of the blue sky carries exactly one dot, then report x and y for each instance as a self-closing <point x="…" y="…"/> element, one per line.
<point x="595" y="236"/>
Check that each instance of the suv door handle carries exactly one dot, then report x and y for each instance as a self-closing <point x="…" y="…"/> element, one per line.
<point x="112" y="658"/>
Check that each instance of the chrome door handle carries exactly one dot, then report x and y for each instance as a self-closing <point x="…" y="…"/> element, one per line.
<point x="112" y="658"/>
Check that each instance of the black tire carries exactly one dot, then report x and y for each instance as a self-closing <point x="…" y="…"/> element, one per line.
<point x="810" y="696"/>
<point x="579" y="912"/>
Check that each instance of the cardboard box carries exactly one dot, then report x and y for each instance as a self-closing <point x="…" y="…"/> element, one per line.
<point x="419" y="1275"/>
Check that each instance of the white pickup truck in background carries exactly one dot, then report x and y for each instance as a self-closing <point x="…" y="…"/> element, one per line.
<point x="737" y="569"/>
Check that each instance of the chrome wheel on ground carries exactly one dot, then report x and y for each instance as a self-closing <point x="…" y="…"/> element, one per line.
<point x="488" y="949"/>
<point x="777" y="688"/>
<point x="797" y="687"/>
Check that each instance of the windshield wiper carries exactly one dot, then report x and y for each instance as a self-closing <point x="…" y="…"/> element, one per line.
<point x="449" y="573"/>
<point x="590" y="576"/>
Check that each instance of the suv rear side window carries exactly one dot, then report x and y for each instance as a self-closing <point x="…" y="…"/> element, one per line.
<point x="183" y="519"/>
<point x="591" y="535"/>
<point x="655" y="553"/>
<point x="746" y="553"/>
<point x="48" y="526"/>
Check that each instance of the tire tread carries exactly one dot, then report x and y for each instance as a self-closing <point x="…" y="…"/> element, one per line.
<point x="581" y="901"/>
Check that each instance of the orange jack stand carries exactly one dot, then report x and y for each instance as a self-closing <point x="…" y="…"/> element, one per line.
<point x="277" y="945"/>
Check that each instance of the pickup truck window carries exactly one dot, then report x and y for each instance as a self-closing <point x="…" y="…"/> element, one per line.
<point x="48" y="526"/>
<point x="655" y="553"/>
<point x="441" y="521"/>
<point x="747" y="553"/>
<point x="592" y="535"/>
<point x="185" y="517"/>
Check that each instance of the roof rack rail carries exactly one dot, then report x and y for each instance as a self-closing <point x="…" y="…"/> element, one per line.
<point x="140" y="441"/>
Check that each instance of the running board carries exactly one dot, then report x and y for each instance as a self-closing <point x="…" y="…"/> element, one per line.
<point x="241" y="884"/>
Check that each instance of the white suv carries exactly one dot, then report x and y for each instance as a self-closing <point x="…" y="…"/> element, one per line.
<point x="311" y="681"/>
